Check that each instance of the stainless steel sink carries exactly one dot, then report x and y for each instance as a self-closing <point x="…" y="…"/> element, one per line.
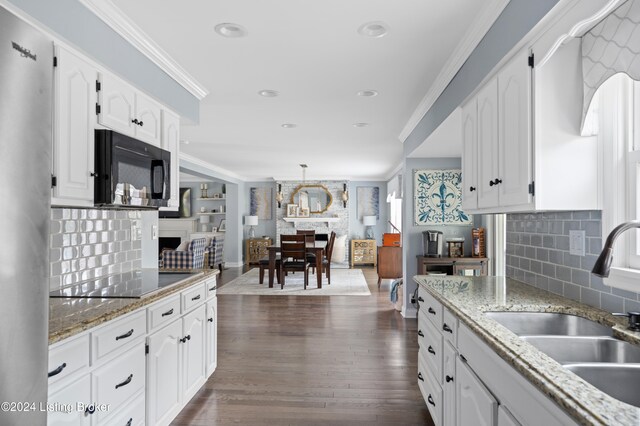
<point x="546" y="323"/>
<point x="617" y="380"/>
<point x="571" y="349"/>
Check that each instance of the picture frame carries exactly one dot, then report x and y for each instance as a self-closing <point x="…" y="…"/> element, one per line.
<point x="304" y="212"/>
<point x="223" y="225"/>
<point x="292" y="210"/>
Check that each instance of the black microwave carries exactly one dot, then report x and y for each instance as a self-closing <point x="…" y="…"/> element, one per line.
<point x="129" y="172"/>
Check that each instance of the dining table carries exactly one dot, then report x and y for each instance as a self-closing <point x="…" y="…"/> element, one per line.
<point x="316" y="247"/>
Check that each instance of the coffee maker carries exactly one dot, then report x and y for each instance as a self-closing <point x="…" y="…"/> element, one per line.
<point x="432" y="241"/>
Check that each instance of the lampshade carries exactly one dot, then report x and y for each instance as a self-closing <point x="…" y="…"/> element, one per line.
<point x="368" y="220"/>
<point x="251" y="220"/>
<point x="205" y="218"/>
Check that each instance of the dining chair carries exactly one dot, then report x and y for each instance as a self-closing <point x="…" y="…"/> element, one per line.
<point x="310" y="238"/>
<point x="292" y="248"/>
<point x="328" y="252"/>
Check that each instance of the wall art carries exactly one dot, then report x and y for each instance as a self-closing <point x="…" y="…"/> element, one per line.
<point x="260" y="201"/>
<point x="438" y="198"/>
<point x="368" y="201"/>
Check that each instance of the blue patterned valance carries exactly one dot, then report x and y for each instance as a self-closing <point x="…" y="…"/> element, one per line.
<point x="438" y="198"/>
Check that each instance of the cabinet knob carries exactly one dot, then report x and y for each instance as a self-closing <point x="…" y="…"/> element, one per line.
<point x="210" y="319"/>
<point x="135" y="121"/>
<point x="448" y="379"/>
<point x="430" y="400"/>
<point x="431" y="311"/>
<point x="496" y="181"/>
<point x="93" y="174"/>
<point x="472" y="188"/>
<point x="141" y="123"/>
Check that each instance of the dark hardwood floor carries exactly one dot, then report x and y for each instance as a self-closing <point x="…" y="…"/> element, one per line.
<point x="340" y="360"/>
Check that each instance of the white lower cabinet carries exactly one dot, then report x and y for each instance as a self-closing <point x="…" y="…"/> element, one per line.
<point x="464" y="382"/>
<point x="193" y="352"/>
<point x="78" y="391"/>
<point x="475" y="404"/>
<point x="164" y="372"/>
<point x="211" y="356"/>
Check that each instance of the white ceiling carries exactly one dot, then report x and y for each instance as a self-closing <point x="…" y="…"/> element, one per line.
<point x="445" y="141"/>
<point x="311" y="53"/>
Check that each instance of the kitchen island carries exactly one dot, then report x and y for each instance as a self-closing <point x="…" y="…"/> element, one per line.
<point x="462" y="302"/>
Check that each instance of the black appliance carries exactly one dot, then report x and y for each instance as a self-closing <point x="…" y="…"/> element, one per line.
<point x="432" y="242"/>
<point x="129" y="172"/>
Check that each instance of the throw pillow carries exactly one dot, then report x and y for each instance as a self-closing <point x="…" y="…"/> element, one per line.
<point x="183" y="246"/>
<point x="339" y="249"/>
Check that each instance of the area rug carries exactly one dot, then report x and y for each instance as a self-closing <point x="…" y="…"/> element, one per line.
<point x="344" y="282"/>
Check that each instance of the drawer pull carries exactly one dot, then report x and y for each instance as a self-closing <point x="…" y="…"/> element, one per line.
<point x="125" y="335"/>
<point x="57" y="370"/>
<point x="185" y="338"/>
<point x="195" y="298"/>
<point x="91" y="408"/>
<point x="215" y="287"/>
<point x="420" y="333"/>
<point x="431" y="311"/>
<point x="430" y="400"/>
<point x="420" y="376"/>
<point x="420" y="299"/>
<point x="130" y="422"/>
<point x="431" y="351"/>
<point x="210" y="319"/>
<point x="126" y="382"/>
<point x="446" y="328"/>
<point x="169" y="312"/>
<point x="448" y="379"/>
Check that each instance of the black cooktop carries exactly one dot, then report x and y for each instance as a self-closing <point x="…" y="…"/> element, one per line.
<point x="127" y="285"/>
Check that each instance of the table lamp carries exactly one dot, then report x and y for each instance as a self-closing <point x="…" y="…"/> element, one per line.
<point x="251" y="221"/>
<point x="369" y="222"/>
<point x="204" y="220"/>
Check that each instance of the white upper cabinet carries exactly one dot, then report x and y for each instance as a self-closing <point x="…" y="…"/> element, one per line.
<point x="128" y="111"/>
<point x="476" y="405"/>
<point x="470" y="155"/>
<point x="73" y="150"/>
<point x="171" y="143"/>
<point x="514" y="135"/>
<point x="488" y="169"/>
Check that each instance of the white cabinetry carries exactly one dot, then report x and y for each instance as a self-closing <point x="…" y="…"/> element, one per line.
<point x="171" y="143"/>
<point x="75" y="103"/>
<point x="464" y="382"/>
<point x="126" y="110"/>
<point x="193" y="352"/>
<point x="475" y="404"/>
<point x="470" y="155"/>
<point x="211" y="360"/>
<point x="77" y="391"/>
<point x="488" y="168"/>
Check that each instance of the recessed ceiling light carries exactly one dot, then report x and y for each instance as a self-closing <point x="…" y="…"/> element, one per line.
<point x="231" y="30"/>
<point x="373" y="29"/>
<point x="289" y="125"/>
<point x="368" y="93"/>
<point x="269" y="93"/>
<point x="360" y="124"/>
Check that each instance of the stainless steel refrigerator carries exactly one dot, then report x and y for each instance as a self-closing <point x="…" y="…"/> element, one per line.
<point x="26" y="76"/>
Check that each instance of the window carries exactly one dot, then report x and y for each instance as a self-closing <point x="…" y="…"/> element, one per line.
<point x="617" y="109"/>
<point x="395" y="216"/>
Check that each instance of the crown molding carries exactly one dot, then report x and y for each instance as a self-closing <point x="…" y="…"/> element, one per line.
<point x="211" y="168"/>
<point x="460" y="54"/>
<point x="125" y="27"/>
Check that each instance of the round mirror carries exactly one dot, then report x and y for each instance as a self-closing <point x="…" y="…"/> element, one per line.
<point x="316" y="198"/>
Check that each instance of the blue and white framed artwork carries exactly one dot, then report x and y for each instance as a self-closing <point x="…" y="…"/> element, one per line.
<point x="438" y="198"/>
<point x="260" y="203"/>
<point x="368" y="201"/>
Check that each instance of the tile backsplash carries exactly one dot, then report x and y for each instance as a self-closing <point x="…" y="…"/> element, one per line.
<point x="538" y="254"/>
<point x="90" y="243"/>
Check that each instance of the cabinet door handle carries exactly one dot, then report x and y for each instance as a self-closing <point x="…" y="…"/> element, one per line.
<point x="90" y="409"/>
<point x="448" y="379"/>
<point x="431" y="311"/>
<point x="57" y="370"/>
<point x="431" y="350"/>
<point x="446" y="328"/>
<point x="420" y="333"/>
<point x="210" y="319"/>
<point x="126" y="382"/>
<point x="135" y="121"/>
<point x="420" y="376"/>
<point x="169" y="312"/>
<point x="472" y="188"/>
<point x="125" y="335"/>
<point x="215" y="287"/>
<point x="130" y="422"/>
<point x="496" y="181"/>
<point x="195" y="298"/>
<point x="430" y="399"/>
<point x="491" y="183"/>
<point x="420" y="299"/>
<point x="141" y="123"/>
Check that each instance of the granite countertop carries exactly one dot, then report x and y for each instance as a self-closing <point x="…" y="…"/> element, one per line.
<point x="68" y="316"/>
<point x="469" y="297"/>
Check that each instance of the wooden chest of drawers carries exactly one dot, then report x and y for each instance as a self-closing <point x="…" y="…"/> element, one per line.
<point x="256" y="249"/>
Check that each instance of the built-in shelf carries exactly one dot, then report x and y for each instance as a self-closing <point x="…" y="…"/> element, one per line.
<point x="212" y="199"/>
<point x="210" y="213"/>
<point x="297" y="220"/>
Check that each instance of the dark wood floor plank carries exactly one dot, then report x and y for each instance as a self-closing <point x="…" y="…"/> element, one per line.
<point x="287" y="360"/>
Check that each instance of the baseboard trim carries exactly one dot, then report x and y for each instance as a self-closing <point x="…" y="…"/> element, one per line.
<point x="233" y="264"/>
<point x="409" y="312"/>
